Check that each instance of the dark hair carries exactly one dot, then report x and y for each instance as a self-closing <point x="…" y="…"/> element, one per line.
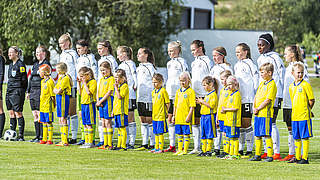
<point x="268" y="39"/>
<point x="150" y="57"/>
<point x="18" y="50"/>
<point x="199" y="43"/>
<point x="122" y="73"/>
<point x="222" y="51"/>
<point x="158" y="77"/>
<point x="106" y="65"/>
<point x="127" y="50"/>
<point x="44" y="49"/>
<point x="83" y="43"/>
<point x="245" y="47"/>
<point x="210" y="79"/>
<point x="295" y="49"/>
<point x="1" y="54"/>
<point x="106" y="44"/>
<point x="86" y="71"/>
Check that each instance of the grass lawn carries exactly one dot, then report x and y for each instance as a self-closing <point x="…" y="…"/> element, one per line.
<point x="25" y="160"/>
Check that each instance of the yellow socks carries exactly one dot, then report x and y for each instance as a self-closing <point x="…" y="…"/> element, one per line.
<point x="231" y="147"/>
<point x="109" y="136"/>
<point x="186" y="143"/>
<point x="61" y="132"/>
<point x="209" y="144"/>
<point x="105" y="137"/>
<point x="298" y="144"/>
<point x="269" y="146"/>
<point x="50" y="131"/>
<point x="124" y="137"/>
<point x="258" y="145"/>
<point x="45" y="132"/>
<point x="236" y="146"/>
<point x="94" y="130"/>
<point x="65" y="134"/>
<point x="119" y="138"/>
<point x="83" y="134"/>
<point x="204" y="145"/>
<point x="161" y="142"/>
<point x="157" y="141"/>
<point x="90" y="134"/>
<point x="227" y="150"/>
<point x="305" y="143"/>
<point x="86" y="136"/>
<point x="180" y="142"/>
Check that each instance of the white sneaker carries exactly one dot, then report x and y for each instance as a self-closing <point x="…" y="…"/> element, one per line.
<point x="84" y="145"/>
<point x="194" y="151"/>
<point x="91" y="145"/>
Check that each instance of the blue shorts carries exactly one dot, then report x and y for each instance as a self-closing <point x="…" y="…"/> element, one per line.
<point x="232" y="132"/>
<point x="183" y="129"/>
<point x="221" y="126"/>
<point x="160" y="127"/>
<point x="88" y="114"/>
<point x="63" y="102"/>
<point x="302" y="129"/>
<point x="106" y="110"/>
<point x="46" y="117"/>
<point x="262" y="126"/>
<point x="208" y="126"/>
<point x="121" y="120"/>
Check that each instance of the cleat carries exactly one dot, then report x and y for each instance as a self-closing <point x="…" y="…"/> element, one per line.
<point x="293" y="160"/>
<point x="152" y="151"/>
<point x="287" y="158"/>
<point x="264" y="155"/>
<point x="81" y="142"/>
<point x="49" y="143"/>
<point x="20" y="138"/>
<point x="182" y="153"/>
<point x="241" y="152"/>
<point x="194" y="151"/>
<point x="151" y="147"/>
<point x="91" y="145"/>
<point x="158" y="151"/>
<point x="73" y="141"/>
<point x="229" y="157"/>
<point x="222" y="155"/>
<point x="216" y="152"/>
<point x="276" y="156"/>
<point x="170" y="149"/>
<point x="268" y="159"/>
<point x="303" y="161"/>
<point x="130" y="147"/>
<point x="109" y="148"/>
<point x="100" y="144"/>
<point x="62" y="144"/>
<point x="116" y="148"/>
<point x="202" y="154"/>
<point x="123" y="149"/>
<point x="208" y="154"/>
<point x="42" y="142"/>
<point x="247" y="155"/>
<point x="103" y="147"/>
<point x="35" y="140"/>
<point x="255" y="158"/>
<point x="84" y="146"/>
<point x="141" y="148"/>
<point x="177" y="153"/>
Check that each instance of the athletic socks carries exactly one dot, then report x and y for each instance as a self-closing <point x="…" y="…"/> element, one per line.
<point x="82" y="132"/>
<point x="65" y="134"/>
<point x="298" y="144"/>
<point x="90" y="135"/>
<point x="204" y="145"/>
<point x="231" y="152"/>
<point x="209" y="144"/>
<point x="172" y="135"/>
<point x="50" y="132"/>
<point x="37" y="129"/>
<point x="94" y="131"/>
<point x="275" y="138"/>
<point x="109" y="136"/>
<point x="258" y="146"/>
<point x="217" y="140"/>
<point x="196" y="136"/>
<point x="124" y="137"/>
<point x="180" y="142"/>
<point x="186" y="143"/>
<point x="144" y="133"/>
<point x="105" y="136"/>
<point x="119" y="138"/>
<point x="132" y="133"/>
<point x="305" y="143"/>
<point x="269" y="146"/>
<point x="157" y="142"/>
<point x="236" y="146"/>
<point x="21" y="124"/>
<point x="101" y="131"/>
<point x="249" y="138"/>
<point x="128" y="133"/>
<point x="86" y="139"/>
<point x="74" y="126"/>
<point x="13" y="124"/>
<point x="242" y="139"/>
<point x="151" y="134"/>
<point x="161" y="142"/>
<point x="2" y="123"/>
<point x="45" y="133"/>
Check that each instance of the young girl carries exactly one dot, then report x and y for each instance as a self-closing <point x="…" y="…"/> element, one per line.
<point x="232" y="109"/>
<point x="2" y="70"/>
<point x="120" y="108"/>
<point x="16" y="89"/>
<point x="247" y="74"/>
<point x="224" y="94"/>
<point x="208" y="115"/>
<point x="265" y="47"/>
<point x="175" y="66"/>
<point x="105" y="51"/>
<point x="292" y="55"/>
<point x="124" y="54"/>
<point x="88" y="93"/>
<point x="200" y="68"/>
<point x="69" y="57"/>
<point x="184" y="105"/>
<point x="160" y="106"/>
<point x="47" y="104"/>
<point x="63" y="92"/>
<point x="34" y="89"/>
<point x="105" y="103"/>
<point x="145" y="72"/>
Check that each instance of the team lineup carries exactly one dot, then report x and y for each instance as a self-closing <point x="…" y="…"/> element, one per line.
<point x="211" y="102"/>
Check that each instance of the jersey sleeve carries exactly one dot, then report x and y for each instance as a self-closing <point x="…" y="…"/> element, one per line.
<point x="176" y="98"/>
<point x="272" y="91"/>
<point x="92" y="87"/>
<point x="290" y="92"/>
<point x="237" y="101"/>
<point x="110" y="84"/>
<point x="134" y="74"/>
<point x="24" y="77"/>
<point x="309" y="91"/>
<point x="192" y="99"/>
<point x="213" y="101"/>
<point x="124" y="90"/>
<point x="166" y="97"/>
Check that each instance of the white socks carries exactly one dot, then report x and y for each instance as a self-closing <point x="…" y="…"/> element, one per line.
<point x="73" y="126"/>
<point x="291" y="144"/>
<point x="152" y="136"/>
<point x="172" y="135"/>
<point x="132" y="133"/>
<point x="100" y="129"/>
<point x="144" y="133"/>
<point x="249" y="138"/>
<point x="196" y="136"/>
<point x="275" y="138"/>
<point x="217" y="140"/>
<point x="242" y="139"/>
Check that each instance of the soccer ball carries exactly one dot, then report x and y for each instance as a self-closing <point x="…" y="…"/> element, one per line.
<point x="10" y="135"/>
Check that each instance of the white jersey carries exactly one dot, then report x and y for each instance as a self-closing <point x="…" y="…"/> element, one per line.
<point x="247" y="75"/>
<point x="70" y="57"/>
<point x="200" y="68"/>
<point x="145" y="73"/>
<point x="279" y="70"/>
<point x="215" y="72"/>
<point x="289" y="79"/>
<point x="88" y="60"/>
<point x="111" y="60"/>
<point x="130" y="67"/>
<point x="175" y="67"/>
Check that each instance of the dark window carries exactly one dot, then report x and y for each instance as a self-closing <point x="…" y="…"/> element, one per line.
<point x="185" y="18"/>
<point x="202" y="19"/>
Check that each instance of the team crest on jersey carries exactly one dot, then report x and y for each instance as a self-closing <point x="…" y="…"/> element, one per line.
<point x="226" y="94"/>
<point x="22" y="69"/>
<point x="207" y="99"/>
<point x="265" y="88"/>
<point x="159" y="96"/>
<point x="300" y="89"/>
<point x="13" y="73"/>
<point x="231" y="100"/>
<point x="185" y="96"/>
<point x="105" y="83"/>
<point x="45" y="86"/>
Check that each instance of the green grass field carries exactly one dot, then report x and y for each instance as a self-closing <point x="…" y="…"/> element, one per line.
<point x="25" y="160"/>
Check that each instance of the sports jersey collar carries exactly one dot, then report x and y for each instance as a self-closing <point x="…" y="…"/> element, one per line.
<point x="298" y="83"/>
<point x="46" y="80"/>
<point x="234" y="92"/>
<point x="158" y="90"/>
<point x="211" y="92"/>
<point x="106" y="77"/>
<point x="225" y="88"/>
<point x="90" y="80"/>
<point x="184" y="90"/>
<point x="267" y="82"/>
<point x="121" y="84"/>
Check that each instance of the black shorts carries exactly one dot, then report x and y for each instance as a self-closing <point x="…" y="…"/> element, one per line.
<point x="35" y="105"/>
<point x="15" y="99"/>
<point x="170" y="111"/>
<point x="35" y="99"/>
<point x="132" y="104"/>
<point x="145" y="109"/>
<point x="246" y="110"/>
<point x="276" y="110"/>
<point x="287" y="117"/>
<point x="197" y="111"/>
<point x="73" y="92"/>
<point x="1" y="92"/>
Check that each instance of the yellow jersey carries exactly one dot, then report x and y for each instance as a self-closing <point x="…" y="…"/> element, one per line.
<point x="212" y="99"/>
<point x="121" y="106"/>
<point x="233" y="119"/>
<point x="300" y="95"/>
<point x="184" y="100"/>
<point x="224" y="94"/>
<point x="85" y="97"/>
<point x="266" y="90"/>
<point x="46" y="101"/>
<point x="105" y="85"/>
<point x="160" y="98"/>
<point x="64" y="82"/>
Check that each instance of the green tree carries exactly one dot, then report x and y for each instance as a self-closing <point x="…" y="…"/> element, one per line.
<point x="311" y="42"/>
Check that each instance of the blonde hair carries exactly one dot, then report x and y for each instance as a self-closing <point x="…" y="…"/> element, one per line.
<point x="176" y="44"/>
<point x="86" y="71"/>
<point x="299" y="65"/>
<point x="158" y="77"/>
<point x="226" y="73"/>
<point x="127" y="50"/>
<point x="267" y="67"/>
<point x="106" y="65"/>
<point x="210" y="79"/>
<point x="233" y="80"/>
<point x="122" y="74"/>
<point x="295" y="49"/>
<point x="66" y="37"/>
<point x="46" y="69"/>
<point x="62" y="67"/>
<point x="185" y="74"/>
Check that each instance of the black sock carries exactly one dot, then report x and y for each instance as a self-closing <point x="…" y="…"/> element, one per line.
<point x="13" y="124"/>
<point x="37" y="129"/>
<point x="21" y="126"/>
<point x="2" y="123"/>
<point x="41" y="130"/>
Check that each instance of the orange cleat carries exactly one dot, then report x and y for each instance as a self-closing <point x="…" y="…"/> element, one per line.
<point x="276" y="156"/>
<point x="287" y="158"/>
<point x="49" y="142"/>
<point x="62" y="144"/>
<point x="42" y="142"/>
<point x="264" y="156"/>
<point x="103" y="147"/>
<point x="171" y="149"/>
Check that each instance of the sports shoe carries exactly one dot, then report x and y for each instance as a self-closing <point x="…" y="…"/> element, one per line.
<point x="287" y="158"/>
<point x="84" y="145"/>
<point x="276" y="156"/>
<point x="42" y="142"/>
<point x="20" y="138"/>
<point x="216" y="152"/>
<point x="158" y="151"/>
<point x="130" y="147"/>
<point x="151" y="147"/>
<point x="247" y="155"/>
<point x="227" y="157"/>
<point x="35" y="140"/>
<point x="222" y="155"/>
<point x="194" y="151"/>
<point x="62" y="144"/>
<point x="177" y="153"/>
<point x="123" y="149"/>
<point x="141" y="148"/>
<point x="103" y="147"/>
<point x="73" y="141"/>
<point x="255" y="158"/>
<point x="170" y="149"/>
<point x="264" y="155"/>
<point x="101" y="143"/>
<point x="81" y="142"/>
<point x="202" y="154"/>
<point x="241" y="152"/>
<point x="182" y="153"/>
<point x="109" y="148"/>
<point x="152" y="151"/>
<point x="116" y="148"/>
<point x="49" y="143"/>
<point x="303" y="161"/>
<point x="268" y="159"/>
<point x="91" y="145"/>
<point x="293" y="160"/>
<point x="236" y="157"/>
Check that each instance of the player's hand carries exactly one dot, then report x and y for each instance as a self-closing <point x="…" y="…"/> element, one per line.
<point x="223" y="110"/>
<point x="28" y="96"/>
<point x="312" y="115"/>
<point x="98" y="103"/>
<point x="255" y="111"/>
<point x="188" y="120"/>
<point x="173" y="120"/>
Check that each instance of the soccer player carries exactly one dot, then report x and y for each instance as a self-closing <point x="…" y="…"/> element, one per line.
<point x="232" y="124"/>
<point x="263" y="109"/>
<point x="175" y="66"/>
<point x="121" y="108"/>
<point x="302" y="99"/>
<point x="208" y="115"/>
<point x="63" y="92"/>
<point x="184" y="105"/>
<point x="88" y="93"/>
<point x="47" y="103"/>
<point x="105" y="103"/>
<point x="160" y="106"/>
<point x="16" y="89"/>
